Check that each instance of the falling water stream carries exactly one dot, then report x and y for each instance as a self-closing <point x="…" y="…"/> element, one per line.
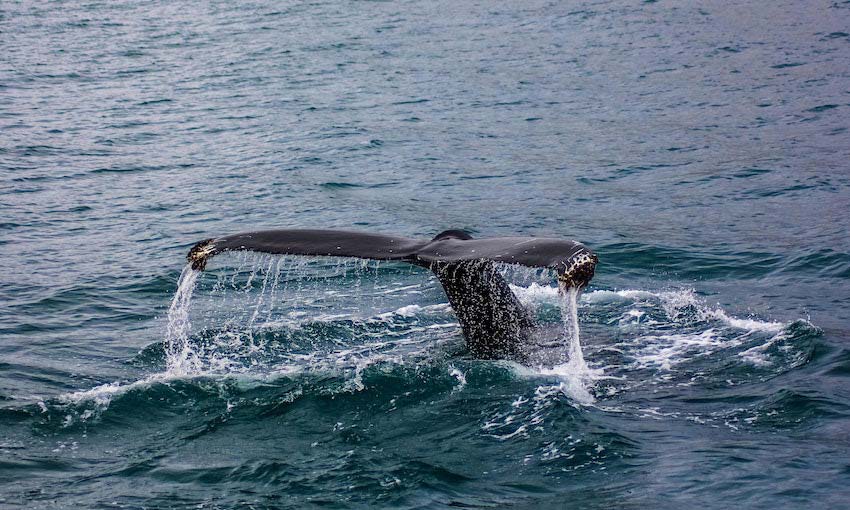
<point x="181" y="359"/>
<point x="576" y="376"/>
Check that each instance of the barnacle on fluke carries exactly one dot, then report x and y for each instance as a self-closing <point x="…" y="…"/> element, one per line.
<point x="579" y="270"/>
<point x="200" y="253"/>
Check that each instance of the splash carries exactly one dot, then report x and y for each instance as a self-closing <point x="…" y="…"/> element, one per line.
<point x="566" y="364"/>
<point x="269" y="312"/>
<point x="576" y="377"/>
<point x="569" y="310"/>
<point x="180" y="357"/>
<point x="271" y="318"/>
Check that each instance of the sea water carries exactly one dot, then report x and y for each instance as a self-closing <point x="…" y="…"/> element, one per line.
<point x="699" y="149"/>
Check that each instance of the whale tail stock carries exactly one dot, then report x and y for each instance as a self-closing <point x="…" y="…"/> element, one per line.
<point x="493" y="321"/>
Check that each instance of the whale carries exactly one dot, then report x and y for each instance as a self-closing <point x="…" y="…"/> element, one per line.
<point x="494" y="323"/>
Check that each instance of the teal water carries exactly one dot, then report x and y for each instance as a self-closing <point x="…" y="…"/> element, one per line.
<point x="699" y="149"/>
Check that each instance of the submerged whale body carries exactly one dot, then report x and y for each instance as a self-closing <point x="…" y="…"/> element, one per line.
<point x="493" y="321"/>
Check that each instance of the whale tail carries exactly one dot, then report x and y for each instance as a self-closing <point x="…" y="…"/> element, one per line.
<point x="493" y="321"/>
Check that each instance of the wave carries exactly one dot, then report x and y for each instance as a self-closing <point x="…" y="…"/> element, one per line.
<point x="719" y="264"/>
<point x="273" y="332"/>
<point x="634" y="338"/>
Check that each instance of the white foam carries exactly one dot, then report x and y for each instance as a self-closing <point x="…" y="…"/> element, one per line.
<point x="758" y="355"/>
<point x="414" y="310"/>
<point x="606" y="296"/>
<point x="102" y="396"/>
<point x="571" y="384"/>
<point x="675" y="301"/>
<point x="411" y="288"/>
<point x="567" y="381"/>
<point x="536" y="294"/>
<point x="666" y="351"/>
<point x="746" y="324"/>
<point x="408" y="311"/>
<point x="459" y="375"/>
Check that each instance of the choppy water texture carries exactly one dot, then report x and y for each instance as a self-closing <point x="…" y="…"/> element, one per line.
<point x="699" y="148"/>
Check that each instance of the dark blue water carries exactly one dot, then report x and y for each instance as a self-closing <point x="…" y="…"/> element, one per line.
<point x="701" y="149"/>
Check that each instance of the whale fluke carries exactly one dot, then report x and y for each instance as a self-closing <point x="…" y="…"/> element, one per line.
<point x="494" y="323"/>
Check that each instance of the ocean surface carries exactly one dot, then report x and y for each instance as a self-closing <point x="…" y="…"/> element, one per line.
<point x="701" y="149"/>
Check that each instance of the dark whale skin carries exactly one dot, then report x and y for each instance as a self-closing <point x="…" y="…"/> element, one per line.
<point x="493" y="321"/>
